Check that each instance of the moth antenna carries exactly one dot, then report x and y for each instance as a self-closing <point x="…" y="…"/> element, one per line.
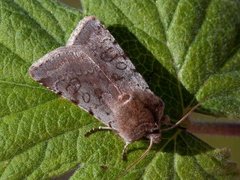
<point x="134" y="163"/>
<point x="182" y="119"/>
<point x="142" y="156"/>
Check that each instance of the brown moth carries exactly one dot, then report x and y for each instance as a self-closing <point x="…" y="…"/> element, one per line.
<point x="93" y="72"/>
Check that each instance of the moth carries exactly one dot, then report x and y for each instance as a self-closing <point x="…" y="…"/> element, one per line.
<point x="93" y="72"/>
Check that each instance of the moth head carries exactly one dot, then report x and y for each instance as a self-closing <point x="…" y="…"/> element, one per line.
<point x="134" y="119"/>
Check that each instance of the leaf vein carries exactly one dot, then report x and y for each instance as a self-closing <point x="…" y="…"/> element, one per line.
<point x="198" y="166"/>
<point x="31" y="145"/>
<point x="35" y="20"/>
<point x="28" y="108"/>
<point x="22" y="85"/>
<point x="38" y="165"/>
<point x="173" y="16"/>
<point x="52" y="15"/>
<point x="172" y="60"/>
<point x="135" y="27"/>
<point x="195" y="37"/>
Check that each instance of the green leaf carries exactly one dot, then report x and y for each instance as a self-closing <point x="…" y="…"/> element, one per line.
<point x="186" y="50"/>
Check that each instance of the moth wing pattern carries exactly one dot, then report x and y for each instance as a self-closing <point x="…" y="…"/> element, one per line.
<point x="106" y="52"/>
<point x="91" y="70"/>
<point x="70" y="72"/>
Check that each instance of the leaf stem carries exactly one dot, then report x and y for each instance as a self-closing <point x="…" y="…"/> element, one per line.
<point x="221" y="128"/>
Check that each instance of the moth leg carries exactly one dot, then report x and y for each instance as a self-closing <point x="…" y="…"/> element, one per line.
<point x="124" y="152"/>
<point x="110" y="124"/>
<point x="100" y="128"/>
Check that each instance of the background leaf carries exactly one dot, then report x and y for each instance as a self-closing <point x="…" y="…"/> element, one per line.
<point x="184" y="49"/>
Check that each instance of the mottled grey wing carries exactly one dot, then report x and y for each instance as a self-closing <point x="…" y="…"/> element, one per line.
<point x="106" y="52"/>
<point x="71" y="72"/>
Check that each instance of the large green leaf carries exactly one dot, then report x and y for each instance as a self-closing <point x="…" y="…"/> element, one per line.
<point x="187" y="50"/>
